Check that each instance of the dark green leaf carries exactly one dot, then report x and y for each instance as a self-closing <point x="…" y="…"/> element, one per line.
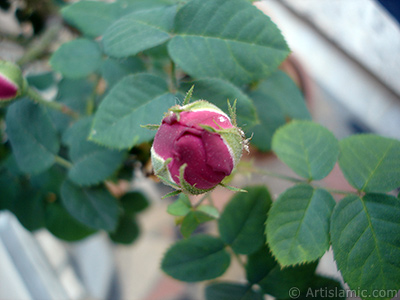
<point x="77" y="58"/>
<point x="231" y="291"/>
<point x="127" y="231"/>
<point x="263" y="270"/>
<point x="219" y="91"/>
<point x="181" y="207"/>
<point x="307" y="148"/>
<point x="277" y="100"/>
<point x="241" y="224"/>
<point x="92" y="18"/>
<point x="60" y="223"/>
<point x="92" y="163"/>
<point x="41" y="81"/>
<point x="134" y="202"/>
<point x="9" y="185"/>
<point x="94" y="207"/>
<point x="114" y="70"/>
<point x="366" y="242"/>
<point x="33" y="138"/>
<point x="371" y="163"/>
<point x="322" y="288"/>
<point x="198" y="258"/>
<point x="232" y="40"/>
<point x="151" y="27"/>
<point x="135" y="100"/>
<point x="192" y="220"/>
<point x="298" y="225"/>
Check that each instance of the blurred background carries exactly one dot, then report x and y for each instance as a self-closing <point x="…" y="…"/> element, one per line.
<point x="345" y="58"/>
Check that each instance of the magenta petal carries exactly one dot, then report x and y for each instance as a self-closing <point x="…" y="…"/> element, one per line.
<point x="7" y="89"/>
<point x="218" y="156"/>
<point x="210" y="118"/>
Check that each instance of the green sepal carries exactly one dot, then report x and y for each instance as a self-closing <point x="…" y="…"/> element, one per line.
<point x="151" y="126"/>
<point x="174" y="193"/>
<point x="186" y="187"/>
<point x="232" y="188"/>
<point x="188" y="96"/>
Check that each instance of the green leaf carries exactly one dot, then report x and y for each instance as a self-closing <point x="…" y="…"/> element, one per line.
<point x="181" y="207"/>
<point x="114" y="70"/>
<point x="135" y="100"/>
<point x="307" y="148"/>
<point x="241" y="224"/>
<point x="192" y="220"/>
<point x="77" y="58"/>
<point x="366" y="242"/>
<point x="232" y="40"/>
<point x="276" y="100"/>
<point x="371" y="163"/>
<point x="134" y="202"/>
<point x="263" y="270"/>
<point x="92" y="18"/>
<point x="151" y="27"/>
<point x="198" y="258"/>
<point x="92" y="163"/>
<point x="9" y="184"/>
<point x="94" y="207"/>
<point x="322" y="288"/>
<point x="231" y="291"/>
<point x="298" y="225"/>
<point x="60" y="223"/>
<point x="210" y="210"/>
<point x="41" y="81"/>
<point x="127" y="231"/>
<point x="218" y="91"/>
<point x="32" y="136"/>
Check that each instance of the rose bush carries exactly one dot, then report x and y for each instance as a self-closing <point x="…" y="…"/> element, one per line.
<point x="196" y="147"/>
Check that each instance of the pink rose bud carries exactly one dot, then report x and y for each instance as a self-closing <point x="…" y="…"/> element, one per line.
<point x="11" y="81"/>
<point x="196" y="147"/>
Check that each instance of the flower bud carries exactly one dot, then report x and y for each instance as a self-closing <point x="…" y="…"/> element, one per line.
<point x="196" y="147"/>
<point x="11" y="81"/>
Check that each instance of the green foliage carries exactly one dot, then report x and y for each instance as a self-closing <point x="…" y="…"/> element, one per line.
<point x="371" y="163"/>
<point x="114" y="70"/>
<point x="151" y="27"/>
<point x="134" y="202"/>
<point x="192" y="220"/>
<point x="231" y="291"/>
<point x="198" y="258"/>
<point x="241" y="224"/>
<point x="127" y="230"/>
<point x="277" y="100"/>
<point x="366" y="242"/>
<point x="307" y="148"/>
<point x="181" y="207"/>
<point x="94" y="207"/>
<point x="33" y="138"/>
<point x="134" y="101"/>
<point x="92" y="163"/>
<point x="77" y="59"/>
<point x="298" y="225"/>
<point x="231" y="40"/>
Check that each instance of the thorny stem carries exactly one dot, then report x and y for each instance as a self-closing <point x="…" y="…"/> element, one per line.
<point x="35" y="96"/>
<point x="39" y="46"/>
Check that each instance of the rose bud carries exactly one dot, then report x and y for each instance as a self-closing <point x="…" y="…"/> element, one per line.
<point x="196" y="146"/>
<point x="11" y="81"/>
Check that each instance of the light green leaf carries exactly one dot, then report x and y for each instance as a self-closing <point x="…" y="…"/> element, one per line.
<point x="371" y="163"/>
<point x="241" y="224"/>
<point x="366" y="243"/>
<point x="192" y="220"/>
<point x="232" y="40"/>
<point x="181" y="207"/>
<point x="198" y="258"/>
<point x="219" y="91"/>
<point x="60" y="223"/>
<point x="277" y="100"/>
<point x="92" y="18"/>
<point x="231" y="291"/>
<point x="32" y="136"/>
<point x="210" y="210"/>
<point x="77" y="58"/>
<point x="94" y="207"/>
<point x="92" y="163"/>
<point x="138" y="31"/>
<point x="263" y="270"/>
<point x="307" y="148"/>
<point x="136" y="100"/>
<point x="298" y="225"/>
<point x="127" y="231"/>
